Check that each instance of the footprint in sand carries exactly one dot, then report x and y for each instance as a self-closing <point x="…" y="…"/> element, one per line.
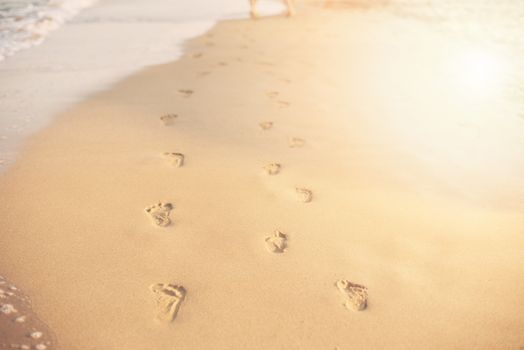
<point x="168" y="298"/>
<point x="283" y="104"/>
<point x="223" y="64"/>
<point x="168" y="119"/>
<point x="197" y="55"/>
<point x="203" y="74"/>
<point x="296" y="142"/>
<point x="177" y="159"/>
<point x="356" y="296"/>
<point x="272" y="94"/>
<point x="160" y="213"/>
<point x="186" y="92"/>
<point x="272" y="168"/>
<point x="266" y="125"/>
<point x="304" y="195"/>
<point x="277" y="242"/>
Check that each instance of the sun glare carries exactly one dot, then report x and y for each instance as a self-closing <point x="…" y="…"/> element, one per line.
<point x="479" y="72"/>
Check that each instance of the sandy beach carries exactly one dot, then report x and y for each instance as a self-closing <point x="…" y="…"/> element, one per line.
<point x="324" y="181"/>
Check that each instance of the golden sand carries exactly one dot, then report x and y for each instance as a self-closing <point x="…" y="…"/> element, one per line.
<point x="108" y="233"/>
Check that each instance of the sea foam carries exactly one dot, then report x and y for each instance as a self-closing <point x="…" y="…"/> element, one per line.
<point x="26" y="23"/>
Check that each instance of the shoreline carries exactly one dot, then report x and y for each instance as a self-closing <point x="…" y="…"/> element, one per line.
<point x="82" y="242"/>
<point x="91" y="52"/>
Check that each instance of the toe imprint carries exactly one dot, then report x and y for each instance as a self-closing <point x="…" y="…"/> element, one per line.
<point x="168" y="119"/>
<point x="355" y="294"/>
<point x="186" y="92"/>
<point x="272" y="169"/>
<point x="160" y="213"/>
<point x="296" y="142"/>
<point x="177" y="159"/>
<point x="168" y="297"/>
<point x="277" y="242"/>
<point x="304" y="195"/>
<point x="266" y="125"/>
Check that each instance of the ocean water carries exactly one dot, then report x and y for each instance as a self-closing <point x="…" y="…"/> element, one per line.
<point x="25" y="23"/>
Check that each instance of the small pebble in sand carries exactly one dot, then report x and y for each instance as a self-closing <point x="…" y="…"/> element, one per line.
<point x="7" y="309"/>
<point x="20" y="319"/>
<point x="36" y="335"/>
<point x="40" y="346"/>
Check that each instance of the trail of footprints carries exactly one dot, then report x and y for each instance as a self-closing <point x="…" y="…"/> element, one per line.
<point x="169" y="297"/>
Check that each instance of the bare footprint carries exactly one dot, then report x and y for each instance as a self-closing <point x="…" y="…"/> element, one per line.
<point x="186" y="92"/>
<point x="168" y="119"/>
<point x="160" y="213"/>
<point x="277" y="242"/>
<point x="304" y="195"/>
<point x="272" y="168"/>
<point x="296" y="142"/>
<point x="272" y="94"/>
<point x="177" y="159"/>
<point x="283" y="104"/>
<point x="266" y="125"/>
<point x="356" y="295"/>
<point x="168" y="298"/>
